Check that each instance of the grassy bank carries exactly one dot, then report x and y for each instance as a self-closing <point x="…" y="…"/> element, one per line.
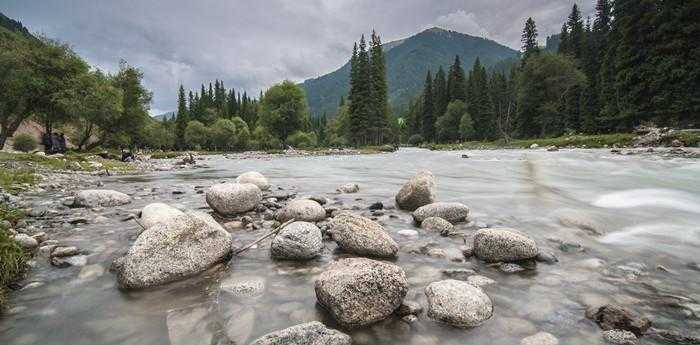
<point x="12" y="257"/>
<point x="588" y="141"/>
<point x="69" y="162"/>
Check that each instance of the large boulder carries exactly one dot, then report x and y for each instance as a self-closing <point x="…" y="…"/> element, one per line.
<point x="311" y="333"/>
<point x="158" y="212"/>
<point x="458" y="303"/>
<point x="100" y="198"/>
<point x="362" y="236"/>
<point x="233" y="198"/>
<point x="169" y="251"/>
<point x="503" y="244"/>
<point x="439" y="225"/>
<point x="297" y="241"/>
<point x="417" y="192"/>
<point x="302" y="210"/>
<point x="255" y="178"/>
<point x="452" y="212"/>
<point x="359" y="291"/>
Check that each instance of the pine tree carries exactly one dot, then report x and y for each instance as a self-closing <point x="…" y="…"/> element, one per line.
<point x="480" y="105"/>
<point x="529" y="40"/>
<point x="182" y="119"/>
<point x="378" y="90"/>
<point x="456" y="82"/>
<point x="360" y="94"/>
<point x="441" y="97"/>
<point x="428" y="124"/>
<point x="574" y="45"/>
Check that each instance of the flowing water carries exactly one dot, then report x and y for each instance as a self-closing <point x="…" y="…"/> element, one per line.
<point x="646" y="209"/>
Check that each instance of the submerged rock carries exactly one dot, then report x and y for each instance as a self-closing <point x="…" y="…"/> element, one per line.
<point x="192" y="325"/>
<point x="312" y="333"/>
<point x="254" y="177"/>
<point x="458" y="303"/>
<point x="541" y="338"/>
<point x="297" y="241"/>
<point x="302" y="210"/>
<point x="417" y="192"/>
<point x="362" y="236"/>
<point x="503" y="244"/>
<point x="100" y="198"/>
<point x="158" y="212"/>
<point x="359" y="291"/>
<point x="611" y="316"/>
<point x="349" y="188"/>
<point x="233" y="198"/>
<point x="439" y="225"/>
<point x="187" y="245"/>
<point x="452" y="212"/>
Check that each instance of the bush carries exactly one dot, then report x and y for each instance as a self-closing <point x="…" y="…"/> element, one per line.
<point x="264" y="140"/>
<point x="302" y="140"/>
<point x="197" y="135"/>
<point x="415" y="140"/>
<point x="24" y="143"/>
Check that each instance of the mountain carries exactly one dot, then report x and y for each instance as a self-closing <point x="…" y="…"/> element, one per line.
<point x="165" y="116"/>
<point x="13" y="25"/>
<point x="408" y="61"/>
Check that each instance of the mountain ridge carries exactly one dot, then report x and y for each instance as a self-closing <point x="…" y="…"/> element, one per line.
<point x="408" y="60"/>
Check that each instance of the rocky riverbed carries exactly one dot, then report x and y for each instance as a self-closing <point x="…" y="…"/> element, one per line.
<point x="412" y="247"/>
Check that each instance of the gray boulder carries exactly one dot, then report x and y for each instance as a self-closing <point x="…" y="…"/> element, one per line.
<point x="233" y="198"/>
<point x="452" y="212"/>
<point x="458" y="303"/>
<point x="437" y="224"/>
<point x="359" y="291"/>
<point x="362" y="236"/>
<point x="304" y="210"/>
<point x="417" y="192"/>
<point x="297" y="241"/>
<point x="25" y="241"/>
<point x="349" y="188"/>
<point x="255" y="178"/>
<point x="158" y="212"/>
<point x="503" y="244"/>
<point x="311" y="333"/>
<point x="169" y="251"/>
<point x="100" y="198"/>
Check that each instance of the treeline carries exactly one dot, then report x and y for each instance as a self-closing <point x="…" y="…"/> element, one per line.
<point x="221" y="119"/>
<point x="46" y="81"/>
<point x="635" y="62"/>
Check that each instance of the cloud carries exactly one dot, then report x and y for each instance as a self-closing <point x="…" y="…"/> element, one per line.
<point x="463" y="22"/>
<point x="252" y="44"/>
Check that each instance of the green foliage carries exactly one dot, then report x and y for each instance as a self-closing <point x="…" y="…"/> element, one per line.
<point x="302" y="140"/>
<point x="466" y="126"/>
<point x="415" y="140"/>
<point x="242" y="135"/>
<point x="264" y="140"/>
<point x="158" y="136"/>
<point x="10" y="179"/>
<point x="223" y="134"/>
<point x="197" y="135"/>
<point x="529" y="40"/>
<point x="448" y="125"/>
<point x="181" y="120"/>
<point x="12" y="257"/>
<point x="24" y="142"/>
<point x="284" y="110"/>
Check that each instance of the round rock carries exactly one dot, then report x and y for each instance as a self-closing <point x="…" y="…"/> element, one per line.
<point x="349" y="188"/>
<point x="255" y="178"/>
<point x="302" y="210"/>
<point x="359" y="291"/>
<point x="158" y="212"/>
<point x="418" y="191"/>
<point x="100" y="198"/>
<point x="452" y="212"/>
<point x="233" y="198"/>
<point x="312" y="333"/>
<point x="26" y="241"/>
<point x="458" y="303"/>
<point x="437" y="224"/>
<point x="362" y="236"/>
<point x="503" y="244"/>
<point x="297" y="241"/>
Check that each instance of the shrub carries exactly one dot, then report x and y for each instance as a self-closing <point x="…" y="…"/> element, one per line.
<point x="197" y="135"/>
<point x="24" y="143"/>
<point x="264" y="140"/>
<point x="302" y="140"/>
<point x="415" y="140"/>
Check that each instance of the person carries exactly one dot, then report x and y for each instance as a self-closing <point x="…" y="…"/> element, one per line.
<point x="127" y="156"/>
<point x="46" y="141"/>
<point x="61" y="143"/>
<point x="54" y="143"/>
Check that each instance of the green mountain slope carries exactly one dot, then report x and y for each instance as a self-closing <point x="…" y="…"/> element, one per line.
<point x="408" y="61"/>
<point x="13" y="25"/>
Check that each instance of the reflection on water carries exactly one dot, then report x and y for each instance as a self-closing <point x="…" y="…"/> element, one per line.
<point x="644" y="210"/>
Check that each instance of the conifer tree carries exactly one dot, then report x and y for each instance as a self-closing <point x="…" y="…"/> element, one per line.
<point x="378" y="90"/>
<point x="428" y="125"/>
<point x="529" y="40"/>
<point x="456" y="81"/>
<point x="182" y="119"/>
<point x="480" y="106"/>
<point x="441" y="98"/>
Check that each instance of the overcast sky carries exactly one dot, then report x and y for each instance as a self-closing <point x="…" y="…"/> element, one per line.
<point x="254" y="44"/>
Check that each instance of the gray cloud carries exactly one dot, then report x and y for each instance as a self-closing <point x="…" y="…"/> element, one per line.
<point x="253" y="44"/>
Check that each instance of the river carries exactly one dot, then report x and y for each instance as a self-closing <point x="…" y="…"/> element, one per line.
<point x="646" y="210"/>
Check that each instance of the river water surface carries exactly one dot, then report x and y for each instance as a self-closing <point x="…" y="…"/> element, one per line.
<point x="645" y="209"/>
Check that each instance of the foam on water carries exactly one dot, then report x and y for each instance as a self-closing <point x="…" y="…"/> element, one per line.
<point x="659" y="197"/>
